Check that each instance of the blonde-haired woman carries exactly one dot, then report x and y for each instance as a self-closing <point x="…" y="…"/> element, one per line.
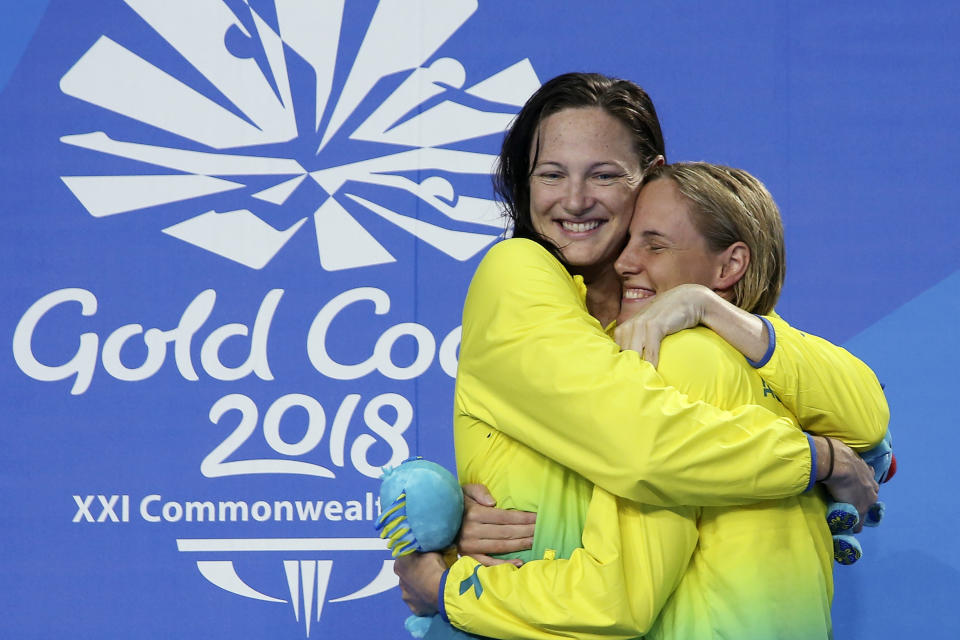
<point x="711" y="236"/>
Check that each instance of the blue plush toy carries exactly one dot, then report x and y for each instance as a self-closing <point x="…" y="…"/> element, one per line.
<point x="422" y="505"/>
<point x="842" y="517"/>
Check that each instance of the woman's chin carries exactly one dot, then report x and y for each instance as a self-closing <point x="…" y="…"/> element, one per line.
<point x="630" y="307"/>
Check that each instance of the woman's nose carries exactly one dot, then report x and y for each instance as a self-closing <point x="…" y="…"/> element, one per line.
<point x="576" y="199"/>
<point x="628" y="262"/>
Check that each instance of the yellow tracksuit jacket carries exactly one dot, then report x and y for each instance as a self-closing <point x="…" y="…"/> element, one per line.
<point x="535" y="367"/>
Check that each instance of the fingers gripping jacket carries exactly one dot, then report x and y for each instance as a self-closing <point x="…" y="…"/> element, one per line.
<point x="842" y="517"/>
<point x="422" y="506"/>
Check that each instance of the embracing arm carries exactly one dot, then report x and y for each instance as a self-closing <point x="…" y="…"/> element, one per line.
<point x="614" y="587"/>
<point x="701" y="364"/>
<point x="831" y="392"/>
<point x="536" y="366"/>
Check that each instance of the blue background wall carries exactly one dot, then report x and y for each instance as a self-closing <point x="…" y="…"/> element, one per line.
<point x="849" y="113"/>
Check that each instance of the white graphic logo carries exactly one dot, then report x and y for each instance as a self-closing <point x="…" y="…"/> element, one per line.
<point x="246" y="100"/>
<point x="307" y="580"/>
<point x="250" y="107"/>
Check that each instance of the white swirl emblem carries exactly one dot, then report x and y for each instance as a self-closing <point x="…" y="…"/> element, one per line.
<point x="255" y="70"/>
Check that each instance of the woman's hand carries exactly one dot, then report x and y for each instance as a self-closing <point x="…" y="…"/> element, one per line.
<point x="673" y="310"/>
<point x="487" y="530"/>
<point x="420" y="575"/>
<point x="852" y="479"/>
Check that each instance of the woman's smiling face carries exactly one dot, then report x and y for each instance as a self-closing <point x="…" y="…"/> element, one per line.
<point x="665" y="248"/>
<point x="583" y="184"/>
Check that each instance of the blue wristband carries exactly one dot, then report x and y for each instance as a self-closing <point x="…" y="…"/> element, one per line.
<point x="441" y="608"/>
<point x="813" y="466"/>
<point x="771" y="345"/>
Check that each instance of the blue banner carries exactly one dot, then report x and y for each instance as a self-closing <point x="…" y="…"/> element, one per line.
<point x="239" y="234"/>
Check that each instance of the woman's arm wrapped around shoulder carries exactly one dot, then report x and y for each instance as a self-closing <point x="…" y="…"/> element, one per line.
<point x="535" y="365"/>
<point x="830" y="391"/>
<point x="614" y="587"/>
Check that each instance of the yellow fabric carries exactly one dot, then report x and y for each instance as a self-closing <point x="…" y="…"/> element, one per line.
<point x="535" y="366"/>
<point x="633" y="555"/>
<point x="758" y="571"/>
<point x="520" y="478"/>
<point x="804" y="367"/>
<point x="614" y="587"/>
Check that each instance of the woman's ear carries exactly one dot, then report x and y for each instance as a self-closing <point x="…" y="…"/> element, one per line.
<point x="732" y="265"/>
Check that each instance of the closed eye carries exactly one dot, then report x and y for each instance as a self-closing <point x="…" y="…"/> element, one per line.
<point x="607" y="176"/>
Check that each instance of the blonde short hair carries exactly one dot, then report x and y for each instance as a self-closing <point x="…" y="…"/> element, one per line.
<point x="728" y="206"/>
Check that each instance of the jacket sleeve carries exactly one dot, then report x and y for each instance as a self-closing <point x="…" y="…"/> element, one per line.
<point x="614" y="587"/>
<point x="830" y="391"/>
<point x="536" y="366"/>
